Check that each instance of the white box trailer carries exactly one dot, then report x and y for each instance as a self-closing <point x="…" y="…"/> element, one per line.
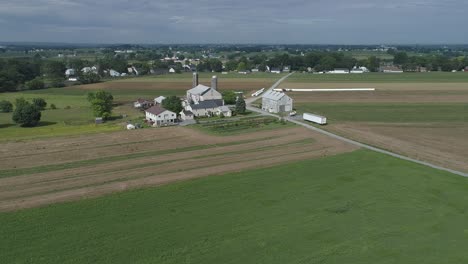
<point x="315" y="118"/>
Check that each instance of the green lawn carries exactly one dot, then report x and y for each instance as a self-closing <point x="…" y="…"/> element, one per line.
<point x="360" y="207"/>
<point x="386" y="112"/>
<point x="430" y="77"/>
<point x="78" y="119"/>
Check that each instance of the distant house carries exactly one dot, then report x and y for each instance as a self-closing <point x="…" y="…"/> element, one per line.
<point x="160" y="116"/>
<point x="172" y="70"/>
<point x="190" y="68"/>
<point x="287" y="69"/>
<point x="276" y="102"/>
<point x="73" y="79"/>
<point x="142" y="103"/>
<point x="255" y="70"/>
<point x="466" y="69"/>
<point x="339" y="71"/>
<point x="70" y="72"/>
<point x="391" y="69"/>
<point x="114" y="73"/>
<point x="422" y="69"/>
<point x="158" y="100"/>
<point x="275" y="70"/>
<point x="89" y="69"/>
<point x="359" y="70"/>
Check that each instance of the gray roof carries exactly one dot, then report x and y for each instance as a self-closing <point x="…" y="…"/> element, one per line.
<point x="273" y="95"/>
<point x="199" y="89"/>
<point x="156" y="110"/>
<point x="207" y="104"/>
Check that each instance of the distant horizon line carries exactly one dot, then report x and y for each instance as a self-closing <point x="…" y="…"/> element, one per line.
<point x="230" y="44"/>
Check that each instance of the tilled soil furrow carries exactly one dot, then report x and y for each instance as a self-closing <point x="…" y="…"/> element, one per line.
<point x="15" y="182"/>
<point x="160" y="167"/>
<point x="159" y="179"/>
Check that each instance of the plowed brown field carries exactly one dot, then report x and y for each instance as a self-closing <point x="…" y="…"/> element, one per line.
<point x="65" y="169"/>
<point x="441" y="144"/>
<point x="182" y="85"/>
<point x="386" y="92"/>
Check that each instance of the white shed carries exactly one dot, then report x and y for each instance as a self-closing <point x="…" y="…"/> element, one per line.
<point x="276" y="102"/>
<point x="159" y="99"/>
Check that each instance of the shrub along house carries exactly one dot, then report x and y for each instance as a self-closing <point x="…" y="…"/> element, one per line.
<point x="159" y="116"/>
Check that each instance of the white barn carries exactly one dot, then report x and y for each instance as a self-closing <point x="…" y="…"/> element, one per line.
<point x="160" y="116"/>
<point x="202" y="93"/>
<point x="276" y="102"/>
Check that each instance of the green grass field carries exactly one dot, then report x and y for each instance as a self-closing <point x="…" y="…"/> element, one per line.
<point x="386" y="112"/>
<point x="329" y="210"/>
<point x="430" y="77"/>
<point x="78" y="119"/>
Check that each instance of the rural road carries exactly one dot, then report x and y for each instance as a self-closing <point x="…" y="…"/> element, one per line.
<point x="350" y="141"/>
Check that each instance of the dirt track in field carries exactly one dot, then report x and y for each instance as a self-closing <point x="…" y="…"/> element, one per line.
<point x="386" y="92"/>
<point x="236" y="153"/>
<point x="443" y="144"/>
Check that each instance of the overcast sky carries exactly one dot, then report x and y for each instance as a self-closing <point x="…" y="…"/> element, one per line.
<point x="236" y="21"/>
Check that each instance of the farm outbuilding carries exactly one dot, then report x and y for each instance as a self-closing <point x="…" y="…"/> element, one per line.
<point x="276" y="102"/>
<point x="159" y="99"/>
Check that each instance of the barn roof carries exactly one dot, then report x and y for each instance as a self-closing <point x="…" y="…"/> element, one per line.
<point x="273" y="95"/>
<point x="207" y="104"/>
<point x="199" y="89"/>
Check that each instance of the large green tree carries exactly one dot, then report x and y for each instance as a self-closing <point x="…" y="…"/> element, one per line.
<point x="240" y="105"/>
<point x="89" y="77"/>
<point x="400" y="58"/>
<point x="6" y="106"/>
<point x="172" y="103"/>
<point x="35" y="84"/>
<point x="229" y="97"/>
<point x="40" y="103"/>
<point x="101" y="103"/>
<point x="54" y="69"/>
<point x="26" y="114"/>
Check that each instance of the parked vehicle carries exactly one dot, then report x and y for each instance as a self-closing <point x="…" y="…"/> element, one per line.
<point x="321" y="120"/>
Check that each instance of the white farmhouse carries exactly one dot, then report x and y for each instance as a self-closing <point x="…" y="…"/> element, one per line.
<point x="160" y="116"/>
<point x="276" y="102"/>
